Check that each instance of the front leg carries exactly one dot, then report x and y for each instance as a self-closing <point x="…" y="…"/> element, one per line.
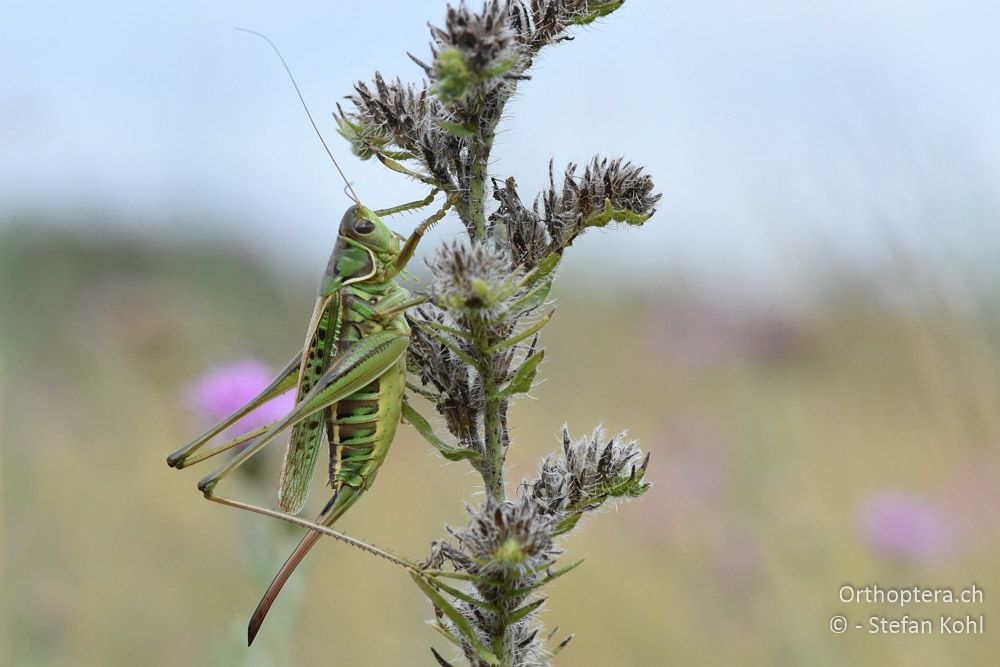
<point x="387" y="308"/>
<point x="410" y="246"/>
<point x="411" y="206"/>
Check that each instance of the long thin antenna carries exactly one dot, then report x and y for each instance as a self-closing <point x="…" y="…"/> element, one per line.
<point x="306" y="107"/>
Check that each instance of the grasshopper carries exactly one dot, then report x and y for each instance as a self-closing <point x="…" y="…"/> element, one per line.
<point x="350" y="375"/>
<point x="350" y="378"/>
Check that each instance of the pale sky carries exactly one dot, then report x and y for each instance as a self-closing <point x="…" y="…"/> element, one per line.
<point x="769" y="126"/>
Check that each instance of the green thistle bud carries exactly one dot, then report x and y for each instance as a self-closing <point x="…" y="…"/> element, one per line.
<point x="452" y="77"/>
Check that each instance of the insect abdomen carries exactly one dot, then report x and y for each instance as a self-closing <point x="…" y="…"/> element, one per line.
<point x="362" y="427"/>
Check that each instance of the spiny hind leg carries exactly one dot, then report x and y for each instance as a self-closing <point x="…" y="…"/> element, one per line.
<point x="208" y="484"/>
<point x="325" y="530"/>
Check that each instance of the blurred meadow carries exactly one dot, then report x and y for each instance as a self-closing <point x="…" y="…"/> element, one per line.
<point x="775" y="437"/>
<point x="806" y="336"/>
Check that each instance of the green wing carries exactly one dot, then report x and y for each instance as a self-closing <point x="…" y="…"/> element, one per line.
<point x="349" y="370"/>
<point x="307" y="435"/>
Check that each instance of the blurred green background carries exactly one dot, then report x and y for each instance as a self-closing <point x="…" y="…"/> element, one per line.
<point x="806" y="336"/>
<point x="776" y="437"/>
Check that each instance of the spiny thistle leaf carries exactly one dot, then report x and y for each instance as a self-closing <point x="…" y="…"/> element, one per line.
<point x="523" y="612"/>
<point x="597" y="10"/>
<point x="459" y="130"/>
<point x="418" y="422"/>
<point x="458" y="620"/>
<point x="523" y="377"/>
<point x="464" y="597"/>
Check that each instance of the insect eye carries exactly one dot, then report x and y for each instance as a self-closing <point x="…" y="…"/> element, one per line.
<point x="364" y="226"/>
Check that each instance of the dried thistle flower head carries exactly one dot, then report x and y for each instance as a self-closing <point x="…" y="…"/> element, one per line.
<point x="518" y="226"/>
<point x="391" y="114"/>
<point x="607" y="191"/>
<point x="543" y="22"/>
<point x="590" y="470"/>
<point x="507" y="541"/>
<point x="472" y="278"/>
<point x="472" y="52"/>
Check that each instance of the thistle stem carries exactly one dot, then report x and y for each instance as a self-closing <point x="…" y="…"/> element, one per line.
<point x="479" y="153"/>
<point x="494" y="432"/>
<point x="493" y="422"/>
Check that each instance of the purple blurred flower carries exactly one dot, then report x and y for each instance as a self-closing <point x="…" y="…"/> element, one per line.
<point x="905" y="526"/>
<point x="737" y="552"/>
<point x="224" y="389"/>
